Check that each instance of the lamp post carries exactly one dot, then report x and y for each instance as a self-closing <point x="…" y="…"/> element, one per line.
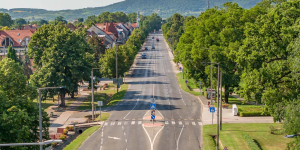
<point x="218" y="106"/>
<point x="40" y="112"/>
<point x="221" y="100"/>
<point x="92" y="85"/>
<point x="117" y="65"/>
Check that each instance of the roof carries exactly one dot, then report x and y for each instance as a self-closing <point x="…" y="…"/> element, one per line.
<point x="91" y="33"/>
<point x="101" y="26"/>
<point x="134" y="25"/>
<point x="17" y="36"/>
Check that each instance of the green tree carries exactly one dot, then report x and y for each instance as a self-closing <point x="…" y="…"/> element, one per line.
<point x="132" y="17"/>
<point x="42" y="22"/>
<point x="12" y="53"/>
<point x="6" y="28"/>
<point x="97" y="45"/>
<point x="59" y="19"/>
<point x="80" y="19"/>
<point x="5" y="20"/>
<point x="62" y="58"/>
<point x="20" y="21"/>
<point x="26" y="67"/>
<point x="19" y="115"/>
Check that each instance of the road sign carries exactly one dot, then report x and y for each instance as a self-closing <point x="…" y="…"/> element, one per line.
<point x="180" y="68"/>
<point x="100" y="103"/>
<point x="212" y="109"/>
<point x="186" y="81"/>
<point x="200" y="82"/>
<point x="152" y="117"/>
<point x="169" y="39"/>
<point x="225" y="148"/>
<point x="152" y="106"/>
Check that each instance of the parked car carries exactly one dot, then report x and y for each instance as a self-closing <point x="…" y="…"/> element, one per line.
<point x="146" y="48"/>
<point x="157" y="39"/>
<point x="153" y="47"/>
<point x="144" y="56"/>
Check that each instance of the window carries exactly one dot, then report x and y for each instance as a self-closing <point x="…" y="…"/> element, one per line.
<point x="20" y="40"/>
<point x="23" y="43"/>
<point x="18" y="34"/>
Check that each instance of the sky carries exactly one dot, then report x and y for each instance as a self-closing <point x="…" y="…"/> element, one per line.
<point x="55" y="4"/>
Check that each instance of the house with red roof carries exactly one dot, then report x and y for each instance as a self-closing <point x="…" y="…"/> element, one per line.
<point x="18" y="39"/>
<point x="109" y="37"/>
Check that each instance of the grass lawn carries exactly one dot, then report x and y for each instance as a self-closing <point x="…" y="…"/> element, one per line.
<point x="49" y="101"/>
<point x="110" y="97"/>
<point x="81" y="138"/>
<point x="191" y="83"/>
<point x="104" y="116"/>
<point x="231" y="136"/>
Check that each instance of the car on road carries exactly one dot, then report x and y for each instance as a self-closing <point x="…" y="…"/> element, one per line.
<point x="146" y="48"/>
<point x="144" y="56"/>
<point x="152" y="37"/>
<point x="157" y="39"/>
<point x="153" y="47"/>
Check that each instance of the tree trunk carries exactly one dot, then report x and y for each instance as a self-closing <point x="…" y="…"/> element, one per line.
<point x="72" y="95"/>
<point x="53" y="98"/>
<point x="226" y="94"/>
<point x="62" y="104"/>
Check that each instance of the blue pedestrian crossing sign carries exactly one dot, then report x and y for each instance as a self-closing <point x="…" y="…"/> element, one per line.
<point x="152" y="117"/>
<point x="152" y="106"/>
<point x="212" y="109"/>
<point x="200" y="82"/>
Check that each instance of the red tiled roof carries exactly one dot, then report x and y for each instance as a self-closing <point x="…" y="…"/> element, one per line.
<point x="134" y="25"/>
<point x="110" y="27"/>
<point x="17" y="36"/>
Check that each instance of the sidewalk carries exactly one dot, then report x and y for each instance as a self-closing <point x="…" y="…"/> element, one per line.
<point x="228" y="117"/>
<point x="175" y="66"/>
<point x="60" y="121"/>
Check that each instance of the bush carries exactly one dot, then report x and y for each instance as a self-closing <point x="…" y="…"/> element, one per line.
<point x="65" y="132"/>
<point x="250" y="142"/>
<point x="62" y="137"/>
<point x="252" y="111"/>
<point x="54" y="144"/>
<point x="67" y="127"/>
<point x="275" y="131"/>
<point x="71" y="128"/>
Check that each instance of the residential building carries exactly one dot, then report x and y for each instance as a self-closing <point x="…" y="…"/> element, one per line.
<point x="109" y="37"/>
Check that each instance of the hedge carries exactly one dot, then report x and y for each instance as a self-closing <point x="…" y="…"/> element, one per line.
<point x="252" y="111"/>
<point x="250" y="142"/>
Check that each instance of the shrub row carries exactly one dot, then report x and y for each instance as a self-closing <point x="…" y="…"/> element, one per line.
<point x="252" y="111"/>
<point x="250" y="142"/>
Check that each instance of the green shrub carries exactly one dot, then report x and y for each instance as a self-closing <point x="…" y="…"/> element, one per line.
<point x="62" y="137"/>
<point x="71" y="128"/>
<point x="250" y="142"/>
<point x="252" y="111"/>
<point x="65" y="132"/>
<point x="67" y="127"/>
<point x="54" y="144"/>
<point x="275" y="131"/>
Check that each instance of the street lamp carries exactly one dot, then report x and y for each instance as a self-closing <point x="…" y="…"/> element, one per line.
<point x="92" y="84"/>
<point x="218" y="106"/>
<point x="40" y="111"/>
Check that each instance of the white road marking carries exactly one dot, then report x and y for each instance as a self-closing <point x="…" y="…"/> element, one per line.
<point x="166" y="122"/>
<point x="132" y="108"/>
<point x="115" y="138"/>
<point x="140" y="122"/>
<point x="152" y="143"/>
<point x="119" y="123"/>
<point x="173" y="122"/>
<point x="200" y="123"/>
<point x="193" y="123"/>
<point x="106" y="123"/>
<point x="180" y="123"/>
<point x="112" y="123"/>
<point x="179" y="136"/>
<point x="132" y="122"/>
<point x="187" y="123"/>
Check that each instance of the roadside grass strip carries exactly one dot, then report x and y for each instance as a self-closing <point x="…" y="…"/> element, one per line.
<point x="250" y="142"/>
<point x="244" y="136"/>
<point x="109" y="97"/>
<point x="81" y="138"/>
<point x="104" y="116"/>
<point x="190" y="83"/>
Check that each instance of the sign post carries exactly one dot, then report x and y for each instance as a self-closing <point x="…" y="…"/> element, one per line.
<point x="152" y="118"/>
<point x="212" y="110"/>
<point x="100" y="103"/>
<point x="200" y="83"/>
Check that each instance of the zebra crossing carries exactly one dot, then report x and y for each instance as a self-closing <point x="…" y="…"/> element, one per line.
<point x="167" y="123"/>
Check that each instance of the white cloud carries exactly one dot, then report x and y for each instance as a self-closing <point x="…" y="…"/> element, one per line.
<point x="55" y="4"/>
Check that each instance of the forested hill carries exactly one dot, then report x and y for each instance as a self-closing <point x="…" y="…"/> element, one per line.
<point x="165" y="8"/>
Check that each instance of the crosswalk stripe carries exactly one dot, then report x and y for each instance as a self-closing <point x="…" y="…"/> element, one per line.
<point x="106" y="123"/>
<point x="193" y="123"/>
<point x="180" y="123"/>
<point x="140" y="122"/>
<point x="112" y="123"/>
<point x="119" y="123"/>
<point x="173" y="122"/>
<point x="166" y="122"/>
<point x="132" y="122"/>
<point x="200" y="123"/>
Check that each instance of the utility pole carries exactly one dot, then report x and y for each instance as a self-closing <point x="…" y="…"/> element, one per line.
<point x="221" y="100"/>
<point x="117" y="66"/>
<point x="211" y="100"/>
<point x="217" y="147"/>
<point x="207" y="4"/>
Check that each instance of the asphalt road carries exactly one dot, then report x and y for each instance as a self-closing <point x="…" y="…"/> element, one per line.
<point x="178" y="119"/>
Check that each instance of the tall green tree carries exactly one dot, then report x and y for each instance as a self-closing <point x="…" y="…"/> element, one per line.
<point x="19" y="114"/>
<point x="12" y="53"/>
<point x="5" y="20"/>
<point x="59" y="19"/>
<point x="26" y="67"/>
<point x="61" y="57"/>
<point x="20" y="21"/>
<point x="97" y="45"/>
